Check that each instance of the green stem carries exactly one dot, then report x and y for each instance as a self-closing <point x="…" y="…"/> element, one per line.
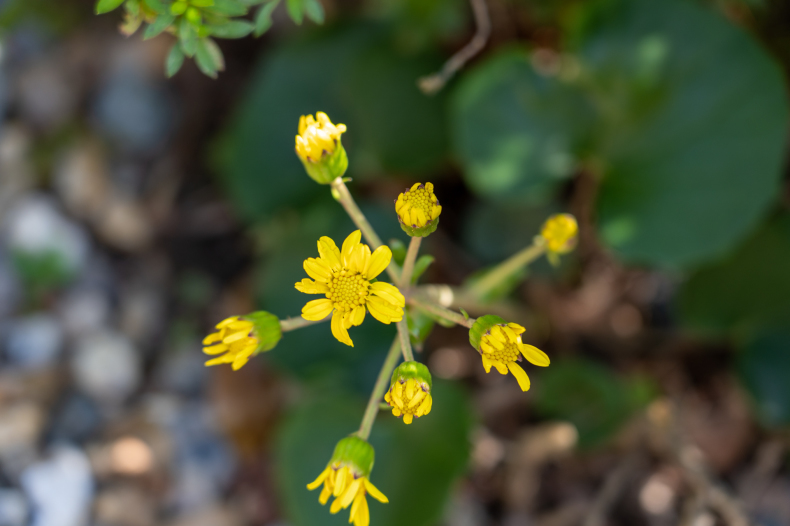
<point x="494" y="277"/>
<point x="405" y="341"/>
<point x="341" y="193"/>
<point x="291" y="324"/>
<point x="382" y="383"/>
<point x="442" y="312"/>
<point x="408" y="263"/>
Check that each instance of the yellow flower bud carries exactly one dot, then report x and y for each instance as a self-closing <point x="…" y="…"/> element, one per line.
<point x="238" y="338"/>
<point x="418" y="210"/>
<point x="409" y="394"/>
<point x="560" y="233"/>
<point x="319" y="148"/>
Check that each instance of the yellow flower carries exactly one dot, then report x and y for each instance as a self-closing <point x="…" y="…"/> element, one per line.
<point x="418" y="210"/>
<point x="346" y="477"/>
<point x="560" y="233"/>
<point x="319" y="148"/>
<point x="240" y="337"/>
<point x="344" y="277"/>
<point x="500" y="346"/>
<point x="409" y="394"/>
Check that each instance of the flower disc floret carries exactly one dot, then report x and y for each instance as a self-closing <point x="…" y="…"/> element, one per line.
<point x="240" y="337"/>
<point x="409" y="394"/>
<point x="560" y="233"/>
<point x="500" y="346"/>
<point x="345" y="278"/>
<point x="418" y="210"/>
<point x="319" y="147"/>
<point x="346" y="477"/>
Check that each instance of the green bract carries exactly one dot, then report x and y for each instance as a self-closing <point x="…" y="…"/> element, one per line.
<point x="330" y="167"/>
<point x="409" y="370"/>
<point x="482" y="326"/>
<point x="428" y="229"/>
<point x="356" y="453"/>
<point x="267" y="330"/>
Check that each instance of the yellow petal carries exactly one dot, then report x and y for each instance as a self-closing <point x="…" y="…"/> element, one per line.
<point x="417" y="398"/>
<point x="500" y="367"/>
<point x="521" y="376"/>
<point x="359" y="259"/>
<point x="225" y="358"/>
<point x="379" y="260"/>
<point x="317" y="269"/>
<point x="359" y="315"/>
<point x="339" y="331"/>
<point x="325" y="494"/>
<point x="362" y="517"/>
<point x="410" y="386"/>
<point x="384" y="311"/>
<point x="349" y="245"/>
<point x="425" y="406"/>
<point x="226" y="322"/>
<point x="396" y="412"/>
<point x="407" y="419"/>
<point x="510" y="333"/>
<point x="436" y="210"/>
<point x="493" y="341"/>
<point x="348" y="318"/>
<point x="414" y="187"/>
<point x="498" y="334"/>
<point x="215" y="349"/>
<point x="389" y="292"/>
<point x="350" y="493"/>
<point x="329" y="252"/>
<point x="486" y="363"/>
<point x="534" y="355"/>
<point x="355" y="507"/>
<point x="212" y="338"/>
<point x="236" y="336"/>
<point x="308" y="286"/>
<point x="241" y="325"/>
<point x="518" y="329"/>
<point x="317" y="310"/>
<point x="317" y="482"/>
<point x="340" y="484"/>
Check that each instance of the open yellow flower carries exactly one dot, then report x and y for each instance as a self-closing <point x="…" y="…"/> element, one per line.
<point x="500" y="346"/>
<point x="344" y="277"/>
<point x="346" y="477"/>
<point x="240" y="337"/>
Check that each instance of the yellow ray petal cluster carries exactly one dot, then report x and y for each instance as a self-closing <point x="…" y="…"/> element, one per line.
<point x="418" y="206"/>
<point x="409" y="398"/>
<point x="349" y="487"/>
<point x="344" y="277"/>
<point x="235" y="340"/>
<point x="317" y="137"/>
<point x="560" y="233"/>
<point x="501" y="348"/>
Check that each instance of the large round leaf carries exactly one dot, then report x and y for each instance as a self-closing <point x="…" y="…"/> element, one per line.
<point x="694" y="125"/>
<point x="515" y="132"/>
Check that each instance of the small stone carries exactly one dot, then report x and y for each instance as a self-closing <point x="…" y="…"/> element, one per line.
<point x="34" y="342"/>
<point x="106" y="366"/>
<point x="75" y="420"/>
<point x="125" y="224"/>
<point x="124" y="506"/>
<point x="47" y="97"/>
<point x="84" y="310"/>
<point x="60" y="488"/>
<point x="21" y="425"/>
<point x="81" y="180"/>
<point x="14" y="508"/>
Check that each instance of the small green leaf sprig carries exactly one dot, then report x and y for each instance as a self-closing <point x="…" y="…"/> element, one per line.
<point x="197" y="23"/>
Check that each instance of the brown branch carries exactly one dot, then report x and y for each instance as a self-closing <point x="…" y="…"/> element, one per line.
<point x="433" y="83"/>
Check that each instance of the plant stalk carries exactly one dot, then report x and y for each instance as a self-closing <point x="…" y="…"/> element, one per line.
<point x="494" y="277"/>
<point x="382" y="382"/>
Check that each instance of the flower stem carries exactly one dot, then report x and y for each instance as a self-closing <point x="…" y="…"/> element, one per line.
<point x="405" y="342"/>
<point x="442" y="312"/>
<point x="496" y="276"/>
<point x="382" y="382"/>
<point x="341" y="193"/>
<point x="408" y="263"/>
<point x="291" y="324"/>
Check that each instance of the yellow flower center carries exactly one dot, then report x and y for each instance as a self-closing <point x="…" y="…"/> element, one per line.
<point x="509" y="352"/>
<point x="347" y="289"/>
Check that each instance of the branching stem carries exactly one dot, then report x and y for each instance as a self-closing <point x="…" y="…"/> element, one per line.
<point x="499" y="274"/>
<point x="441" y="312"/>
<point x="382" y="382"/>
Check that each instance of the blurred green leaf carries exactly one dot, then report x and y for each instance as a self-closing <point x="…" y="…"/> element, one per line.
<point x="415" y="466"/>
<point x="764" y="367"/>
<point x="295" y="10"/>
<point x="422" y="264"/>
<point x="314" y="11"/>
<point x="357" y="79"/>
<point x="694" y="126"/>
<point x="263" y="19"/>
<point x="399" y="250"/>
<point x="233" y="29"/>
<point x="209" y="57"/>
<point x="517" y="133"/>
<point x="188" y="37"/>
<point x="591" y="397"/>
<point x="420" y="326"/>
<point x="105" y="6"/>
<point x="156" y="6"/>
<point x="161" y="23"/>
<point x="228" y="8"/>
<point x="174" y="61"/>
<point x="748" y="290"/>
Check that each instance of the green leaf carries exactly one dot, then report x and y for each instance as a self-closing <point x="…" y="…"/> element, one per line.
<point x="746" y="291"/>
<point x="517" y="133"/>
<point x="398" y="249"/>
<point x="694" y="124"/>
<point x="422" y="264"/>
<point x="263" y="20"/>
<point x="416" y="465"/>
<point x="174" y="61"/>
<point x="156" y="6"/>
<point x="209" y="57"/>
<point x="233" y="29"/>
<point x="295" y="10"/>
<point x="420" y="326"/>
<point x="202" y="3"/>
<point x="161" y="23"/>
<point x="590" y="396"/>
<point x="105" y="6"/>
<point x="764" y="367"/>
<point x="228" y="8"/>
<point x="188" y="37"/>
<point x="314" y="11"/>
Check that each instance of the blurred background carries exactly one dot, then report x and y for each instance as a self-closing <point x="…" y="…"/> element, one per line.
<point x="136" y="212"/>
